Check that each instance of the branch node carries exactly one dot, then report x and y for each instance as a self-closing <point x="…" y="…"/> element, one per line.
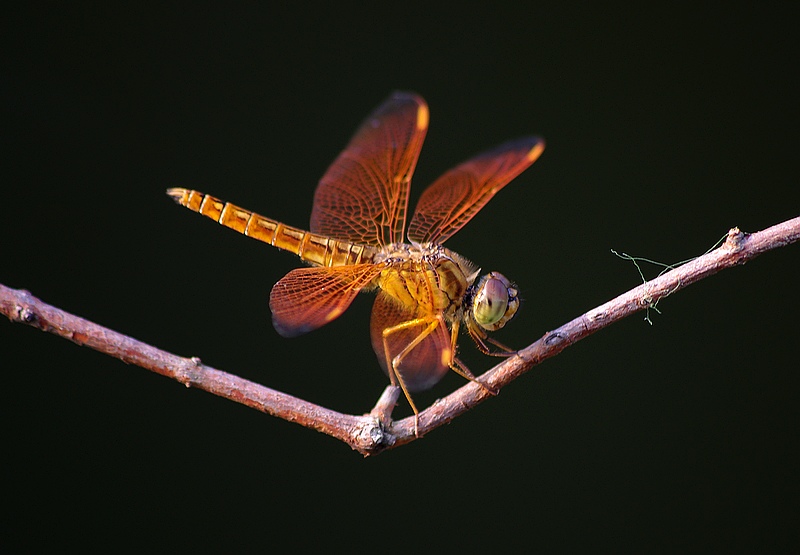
<point x="553" y="338"/>
<point x="26" y="316"/>
<point x="735" y="239"/>
<point x="370" y="437"/>
<point x="596" y="316"/>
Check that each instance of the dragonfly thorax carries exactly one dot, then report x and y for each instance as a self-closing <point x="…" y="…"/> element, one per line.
<point x="426" y="275"/>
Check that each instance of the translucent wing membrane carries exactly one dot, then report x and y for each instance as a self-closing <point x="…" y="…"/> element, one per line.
<point x="363" y="197"/>
<point x="454" y="198"/>
<point x="307" y="298"/>
<point x="425" y="364"/>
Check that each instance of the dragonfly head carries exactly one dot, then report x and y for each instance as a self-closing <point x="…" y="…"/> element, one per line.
<point x="494" y="302"/>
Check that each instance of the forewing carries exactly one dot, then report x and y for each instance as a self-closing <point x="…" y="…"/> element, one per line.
<point x="307" y="298"/>
<point x="459" y="194"/>
<point x="363" y="197"/>
<point x="425" y="365"/>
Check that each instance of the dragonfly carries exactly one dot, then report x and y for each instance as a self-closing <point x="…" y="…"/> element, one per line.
<point x="358" y="242"/>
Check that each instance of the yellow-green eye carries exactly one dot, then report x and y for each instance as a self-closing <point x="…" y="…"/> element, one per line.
<point x="495" y="301"/>
<point x="491" y="302"/>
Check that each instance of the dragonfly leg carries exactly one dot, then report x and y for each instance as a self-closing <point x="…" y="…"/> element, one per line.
<point x="458" y="366"/>
<point x="505" y="351"/>
<point x="461" y="369"/>
<point x="481" y="339"/>
<point x="394" y="363"/>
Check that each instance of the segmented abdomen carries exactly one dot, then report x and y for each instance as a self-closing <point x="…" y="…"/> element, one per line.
<point x="311" y="247"/>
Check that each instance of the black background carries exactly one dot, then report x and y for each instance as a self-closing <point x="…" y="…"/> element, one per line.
<point x="665" y="126"/>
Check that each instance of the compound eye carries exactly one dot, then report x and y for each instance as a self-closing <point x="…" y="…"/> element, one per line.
<point x="491" y="301"/>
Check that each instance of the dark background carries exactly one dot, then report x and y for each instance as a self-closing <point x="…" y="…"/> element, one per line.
<point x="665" y="127"/>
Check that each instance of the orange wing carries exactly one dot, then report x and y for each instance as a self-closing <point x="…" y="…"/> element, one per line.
<point x="459" y="194"/>
<point x="423" y="367"/>
<point x="363" y="197"/>
<point x="307" y="298"/>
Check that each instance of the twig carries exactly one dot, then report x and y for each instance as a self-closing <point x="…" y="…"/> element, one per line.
<point x="375" y="432"/>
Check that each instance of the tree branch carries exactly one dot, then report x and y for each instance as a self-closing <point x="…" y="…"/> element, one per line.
<point x="372" y="433"/>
